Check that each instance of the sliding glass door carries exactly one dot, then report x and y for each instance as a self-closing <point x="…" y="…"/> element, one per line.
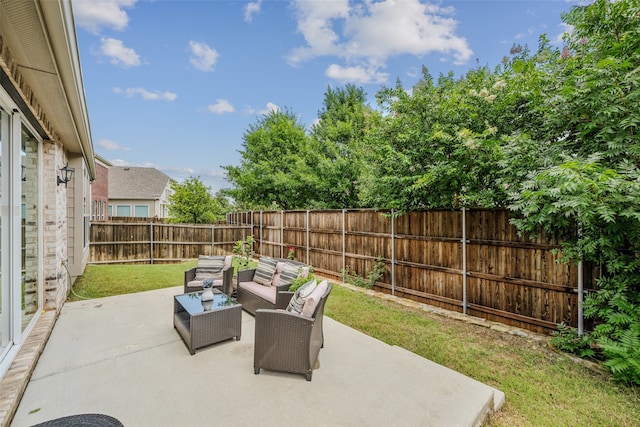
<point x="20" y="260"/>
<point x="5" y="331"/>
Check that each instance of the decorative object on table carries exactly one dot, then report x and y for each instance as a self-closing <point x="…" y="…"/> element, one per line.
<point x="207" y="290"/>
<point x="207" y="305"/>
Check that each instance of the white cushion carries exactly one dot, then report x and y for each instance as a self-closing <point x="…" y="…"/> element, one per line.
<point x="198" y="284"/>
<point x="267" y="293"/>
<point x="311" y="302"/>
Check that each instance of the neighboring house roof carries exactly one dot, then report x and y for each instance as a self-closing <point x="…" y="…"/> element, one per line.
<point x="103" y="161"/>
<point x="128" y="182"/>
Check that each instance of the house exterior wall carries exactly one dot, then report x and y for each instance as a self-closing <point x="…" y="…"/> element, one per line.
<point x="43" y="223"/>
<point x="55" y="229"/>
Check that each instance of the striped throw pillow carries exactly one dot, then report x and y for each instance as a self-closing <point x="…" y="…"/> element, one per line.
<point x="265" y="271"/>
<point x="289" y="273"/>
<point x="209" y="266"/>
<point x="298" y="299"/>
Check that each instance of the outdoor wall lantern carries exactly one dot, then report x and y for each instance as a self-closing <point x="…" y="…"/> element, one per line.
<point x="66" y="173"/>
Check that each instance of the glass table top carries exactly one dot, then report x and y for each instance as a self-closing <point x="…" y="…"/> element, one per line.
<point x="193" y="304"/>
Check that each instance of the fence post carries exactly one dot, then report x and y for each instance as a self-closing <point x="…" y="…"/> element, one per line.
<point x="213" y="239"/>
<point x="344" y="248"/>
<point x="464" y="260"/>
<point x="281" y="234"/>
<point x="151" y="242"/>
<point x="393" y="254"/>
<point x="580" y="299"/>
<point x="307" y="235"/>
<point x="260" y="247"/>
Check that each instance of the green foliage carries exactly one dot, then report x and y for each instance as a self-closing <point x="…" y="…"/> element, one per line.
<point x="191" y="203"/>
<point x="591" y="196"/>
<point x="600" y="80"/>
<point x="337" y="140"/>
<point x="243" y="251"/>
<point x="299" y="281"/>
<point x="273" y="171"/>
<point x="623" y="352"/>
<point x="372" y="275"/>
<point x="596" y="208"/>
<point x="553" y="134"/>
<point x="566" y="339"/>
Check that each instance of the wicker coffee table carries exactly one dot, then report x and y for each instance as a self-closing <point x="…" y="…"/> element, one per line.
<point x="202" y="323"/>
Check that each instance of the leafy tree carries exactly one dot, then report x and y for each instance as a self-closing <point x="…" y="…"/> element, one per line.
<point x="191" y="203"/>
<point x="273" y="172"/>
<point x="592" y="196"/>
<point x="438" y="145"/>
<point x="336" y="148"/>
<point x="600" y="89"/>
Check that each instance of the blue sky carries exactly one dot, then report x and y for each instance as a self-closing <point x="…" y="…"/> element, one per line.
<point x="175" y="84"/>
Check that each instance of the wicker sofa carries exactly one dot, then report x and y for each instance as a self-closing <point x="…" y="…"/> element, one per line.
<point x="253" y="295"/>
<point x="222" y="279"/>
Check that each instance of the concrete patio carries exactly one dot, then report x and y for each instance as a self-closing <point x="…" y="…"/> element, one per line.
<point x="120" y="356"/>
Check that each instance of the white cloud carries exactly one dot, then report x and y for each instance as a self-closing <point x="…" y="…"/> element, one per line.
<point x="530" y="31"/>
<point x="202" y="56"/>
<point x="93" y="15"/>
<point x="270" y="107"/>
<point x="366" y="34"/>
<point x="118" y="53"/>
<point x="220" y="107"/>
<point x="355" y="74"/>
<point x="146" y="95"/>
<point x="566" y="29"/>
<point x="251" y="9"/>
<point x="109" y="145"/>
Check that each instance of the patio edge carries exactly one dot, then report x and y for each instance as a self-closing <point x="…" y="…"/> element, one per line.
<point x="15" y="381"/>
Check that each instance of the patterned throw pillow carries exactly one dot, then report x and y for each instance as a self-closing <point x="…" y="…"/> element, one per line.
<point x="209" y="266"/>
<point x="289" y="273"/>
<point x="297" y="300"/>
<point x="265" y="271"/>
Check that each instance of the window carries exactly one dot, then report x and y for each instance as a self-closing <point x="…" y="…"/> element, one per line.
<point x="123" y="210"/>
<point x="141" y="211"/>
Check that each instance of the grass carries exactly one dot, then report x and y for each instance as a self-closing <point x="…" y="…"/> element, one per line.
<point x="542" y="387"/>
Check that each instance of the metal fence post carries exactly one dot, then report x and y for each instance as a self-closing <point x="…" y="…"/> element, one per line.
<point x="344" y="248"/>
<point x="464" y="260"/>
<point x="307" y="235"/>
<point x="260" y="247"/>
<point x="393" y="254"/>
<point x="151" y="243"/>
<point x="580" y="299"/>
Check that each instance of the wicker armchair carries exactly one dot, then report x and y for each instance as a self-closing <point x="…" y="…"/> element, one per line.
<point x="289" y="342"/>
<point x="222" y="280"/>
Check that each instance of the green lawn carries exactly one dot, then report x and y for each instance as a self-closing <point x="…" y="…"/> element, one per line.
<point x="542" y="387"/>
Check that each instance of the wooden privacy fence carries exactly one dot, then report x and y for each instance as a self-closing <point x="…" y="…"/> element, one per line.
<point x="471" y="261"/>
<point x="136" y="242"/>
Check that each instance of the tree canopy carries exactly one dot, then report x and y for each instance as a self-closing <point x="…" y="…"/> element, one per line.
<point x="192" y="203"/>
<point x="551" y="134"/>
